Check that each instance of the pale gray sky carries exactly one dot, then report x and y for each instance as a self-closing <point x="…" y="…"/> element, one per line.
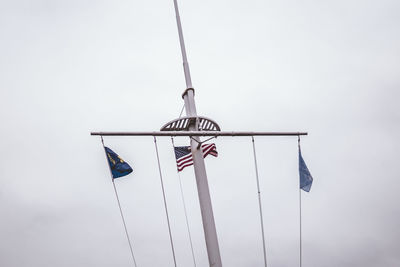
<point x="327" y="67"/>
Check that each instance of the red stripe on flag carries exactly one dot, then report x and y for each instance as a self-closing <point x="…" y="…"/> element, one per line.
<point x="207" y="149"/>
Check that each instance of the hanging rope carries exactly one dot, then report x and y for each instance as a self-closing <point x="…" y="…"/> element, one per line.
<point x="123" y="220"/>
<point x="259" y="202"/>
<point x="300" y="229"/>
<point x="120" y="209"/>
<point x="184" y="208"/>
<point x="165" y="202"/>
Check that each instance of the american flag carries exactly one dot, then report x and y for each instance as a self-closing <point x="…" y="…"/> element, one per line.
<point x="184" y="158"/>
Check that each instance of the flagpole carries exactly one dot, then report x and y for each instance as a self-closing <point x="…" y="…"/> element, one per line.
<point x="123" y="221"/>
<point x="300" y="226"/>
<point x="186" y="69"/>
<point x="301" y="252"/>
<point x="165" y="203"/>
<point x="207" y="215"/>
<point x="259" y="203"/>
<point x="119" y="205"/>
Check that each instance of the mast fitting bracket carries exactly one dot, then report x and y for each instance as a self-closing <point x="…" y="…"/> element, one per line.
<point x="185" y="92"/>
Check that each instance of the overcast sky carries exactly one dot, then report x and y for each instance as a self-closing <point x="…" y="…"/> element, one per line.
<point x="330" y="68"/>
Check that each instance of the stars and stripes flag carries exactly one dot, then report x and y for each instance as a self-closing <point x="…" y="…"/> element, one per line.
<point x="184" y="158"/>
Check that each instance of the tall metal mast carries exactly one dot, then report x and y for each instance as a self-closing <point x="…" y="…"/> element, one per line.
<point x="210" y="232"/>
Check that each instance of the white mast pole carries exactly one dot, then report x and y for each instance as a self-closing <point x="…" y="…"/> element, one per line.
<point x="210" y="232"/>
<point x="183" y="49"/>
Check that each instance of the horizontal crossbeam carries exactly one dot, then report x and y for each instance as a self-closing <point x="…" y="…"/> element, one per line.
<point x="198" y="133"/>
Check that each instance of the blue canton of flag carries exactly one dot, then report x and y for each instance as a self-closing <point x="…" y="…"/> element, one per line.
<point x="184" y="157"/>
<point x="305" y="175"/>
<point x="118" y="166"/>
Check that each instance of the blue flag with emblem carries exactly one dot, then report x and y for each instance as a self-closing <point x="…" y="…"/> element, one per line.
<point x="305" y="175"/>
<point x="118" y="166"/>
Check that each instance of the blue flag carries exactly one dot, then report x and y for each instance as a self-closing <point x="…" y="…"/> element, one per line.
<point x="118" y="166"/>
<point x="305" y="175"/>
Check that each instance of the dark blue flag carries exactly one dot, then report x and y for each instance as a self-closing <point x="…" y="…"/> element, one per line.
<point x="118" y="166"/>
<point x="305" y="175"/>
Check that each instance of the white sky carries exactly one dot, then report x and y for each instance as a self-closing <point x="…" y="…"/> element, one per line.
<point x="327" y="67"/>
